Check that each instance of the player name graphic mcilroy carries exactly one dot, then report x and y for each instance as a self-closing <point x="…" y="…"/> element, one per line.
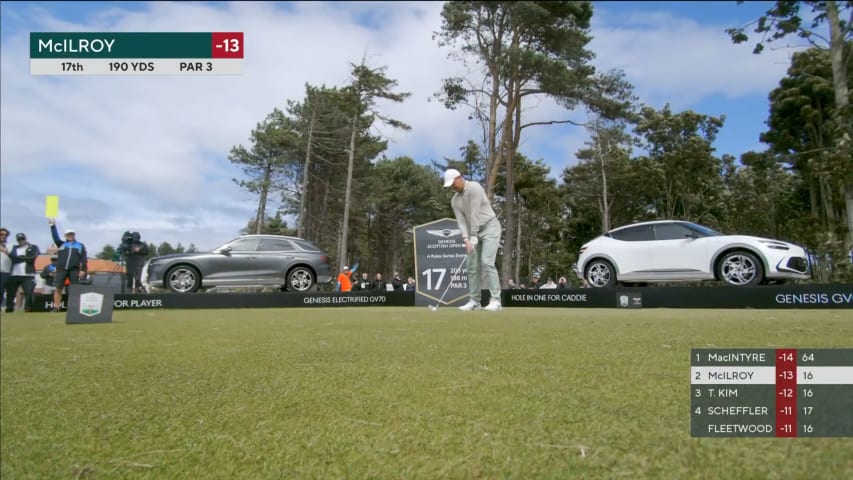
<point x="76" y="45"/>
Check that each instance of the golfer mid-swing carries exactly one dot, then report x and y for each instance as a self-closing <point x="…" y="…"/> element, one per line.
<point x="481" y="231"/>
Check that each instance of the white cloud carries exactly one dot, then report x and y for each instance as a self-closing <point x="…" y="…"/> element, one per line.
<point x="678" y="60"/>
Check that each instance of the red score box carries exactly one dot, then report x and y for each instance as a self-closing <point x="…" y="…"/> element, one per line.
<point x="227" y="44"/>
<point x="786" y="392"/>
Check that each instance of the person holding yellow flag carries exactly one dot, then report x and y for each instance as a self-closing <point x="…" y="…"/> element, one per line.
<point x="71" y="262"/>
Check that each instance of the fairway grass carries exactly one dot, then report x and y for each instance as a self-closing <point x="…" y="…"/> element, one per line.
<point x="389" y="393"/>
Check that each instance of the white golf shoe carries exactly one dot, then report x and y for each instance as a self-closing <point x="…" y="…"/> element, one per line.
<point x="470" y="306"/>
<point x="494" y="307"/>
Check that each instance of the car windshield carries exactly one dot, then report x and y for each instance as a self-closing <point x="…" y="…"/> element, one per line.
<point x="705" y="231"/>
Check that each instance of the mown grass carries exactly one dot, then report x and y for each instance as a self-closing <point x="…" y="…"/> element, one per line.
<point x="388" y="393"/>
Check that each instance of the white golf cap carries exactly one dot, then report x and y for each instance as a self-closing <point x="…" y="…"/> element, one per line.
<point x="69" y="232"/>
<point x="449" y="176"/>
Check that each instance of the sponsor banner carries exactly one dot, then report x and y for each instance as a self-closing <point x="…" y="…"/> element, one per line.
<point x="769" y="296"/>
<point x="783" y="297"/>
<point x="43" y="303"/>
<point x="440" y="266"/>
<point x="580" y="298"/>
<point x="87" y="304"/>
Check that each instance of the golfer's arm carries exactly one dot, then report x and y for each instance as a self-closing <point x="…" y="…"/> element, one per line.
<point x="460" y="219"/>
<point x="476" y="197"/>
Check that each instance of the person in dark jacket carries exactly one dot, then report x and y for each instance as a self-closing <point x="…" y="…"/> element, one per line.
<point x="5" y="263"/>
<point x="363" y="284"/>
<point x="48" y="273"/>
<point x="137" y="252"/>
<point x="378" y="285"/>
<point x="23" y="268"/>
<point x="71" y="262"/>
<point x="397" y="282"/>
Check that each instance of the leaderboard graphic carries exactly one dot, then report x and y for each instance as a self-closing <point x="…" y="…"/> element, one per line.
<point x="771" y="392"/>
<point x="132" y="53"/>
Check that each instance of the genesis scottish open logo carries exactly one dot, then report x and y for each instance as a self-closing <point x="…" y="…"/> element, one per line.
<point x="91" y="304"/>
<point x="447" y="232"/>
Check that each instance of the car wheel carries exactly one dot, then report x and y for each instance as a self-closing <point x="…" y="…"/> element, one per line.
<point x="740" y="269"/>
<point x="183" y="279"/>
<point x="300" y="279"/>
<point x="600" y="273"/>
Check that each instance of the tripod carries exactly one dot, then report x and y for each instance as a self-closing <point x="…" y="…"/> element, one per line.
<point x="133" y="274"/>
<point x="120" y="268"/>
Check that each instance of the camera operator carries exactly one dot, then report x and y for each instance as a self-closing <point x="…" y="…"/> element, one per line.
<point x="135" y="251"/>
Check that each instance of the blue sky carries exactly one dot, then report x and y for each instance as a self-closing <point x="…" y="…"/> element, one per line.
<point x="150" y="153"/>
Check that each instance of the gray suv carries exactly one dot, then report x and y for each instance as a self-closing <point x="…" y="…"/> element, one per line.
<point x="290" y="263"/>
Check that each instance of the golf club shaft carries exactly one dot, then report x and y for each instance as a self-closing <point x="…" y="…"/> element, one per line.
<point x="450" y="281"/>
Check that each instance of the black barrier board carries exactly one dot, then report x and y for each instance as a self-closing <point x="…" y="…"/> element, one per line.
<point x="87" y="304"/>
<point x="440" y="264"/>
<point x="839" y="296"/>
<point x="765" y="296"/>
<point x="130" y="301"/>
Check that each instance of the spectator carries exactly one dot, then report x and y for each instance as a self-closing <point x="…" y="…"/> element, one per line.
<point x="410" y="285"/>
<point x="378" y="285"/>
<point x="5" y="264"/>
<point x="136" y="255"/>
<point x="71" y="262"/>
<point x="534" y="282"/>
<point x="363" y="283"/>
<point x="510" y="284"/>
<point x="481" y="231"/>
<point x="344" y="282"/>
<point x="397" y="282"/>
<point x="23" y="268"/>
<point x="563" y="283"/>
<point x="550" y="285"/>
<point x="48" y="273"/>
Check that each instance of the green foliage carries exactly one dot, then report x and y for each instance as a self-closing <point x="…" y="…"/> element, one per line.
<point x="678" y="167"/>
<point x="785" y="18"/>
<point x="274" y="225"/>
<point x="107" y="253"/>
<point x="165" y="248"/>
<point x="403" y="194"/>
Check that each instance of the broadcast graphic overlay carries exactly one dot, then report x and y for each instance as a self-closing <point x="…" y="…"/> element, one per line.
<point x="143" y="53"/>
<point x="771" y="392"/>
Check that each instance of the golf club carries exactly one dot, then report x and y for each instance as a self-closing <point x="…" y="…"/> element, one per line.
<point x="449" y="282"/>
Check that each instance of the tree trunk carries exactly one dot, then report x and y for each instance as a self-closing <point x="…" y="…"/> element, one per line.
<point x="848" y="200"/>
<point x="826" y="199"/>
<point x="306" y="175"/>
<point x="518" y="250"/>
<point x="812" y="195"/>
<point x="605" y="209"/>
<point x="262" y="203"/>
<point x="842" y="100"/>
<point x="342" y="252"/>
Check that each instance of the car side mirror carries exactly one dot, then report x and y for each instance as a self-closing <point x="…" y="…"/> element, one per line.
<point x="691" y="236"/>
<point x="226" y="251"/>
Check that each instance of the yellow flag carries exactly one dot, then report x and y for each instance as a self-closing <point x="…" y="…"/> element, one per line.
<point x="51" y="206"/>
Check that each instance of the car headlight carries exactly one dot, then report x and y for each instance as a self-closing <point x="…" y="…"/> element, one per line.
<point x="775" y="245"/>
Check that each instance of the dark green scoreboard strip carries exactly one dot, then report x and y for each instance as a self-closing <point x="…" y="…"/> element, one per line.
<point x="121" y="45"/>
